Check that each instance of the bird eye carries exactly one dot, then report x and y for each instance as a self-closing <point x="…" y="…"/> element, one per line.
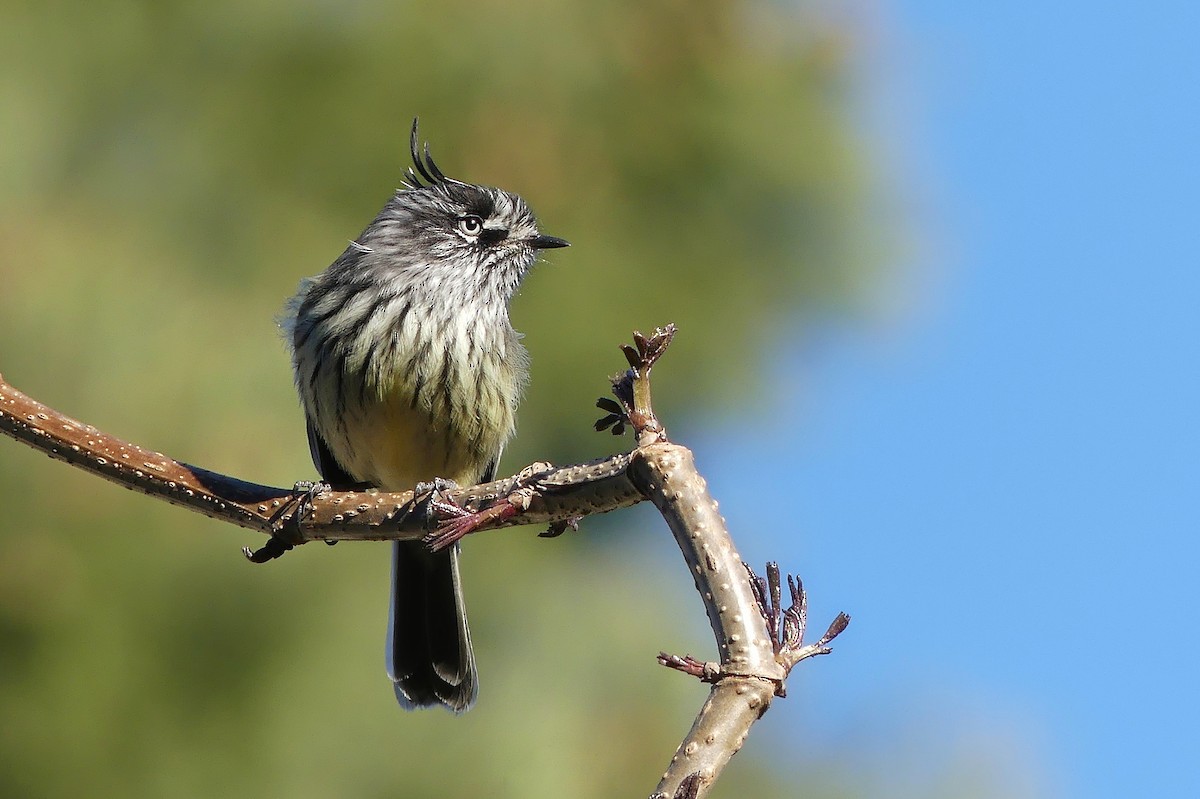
<point x="471" y="225"/>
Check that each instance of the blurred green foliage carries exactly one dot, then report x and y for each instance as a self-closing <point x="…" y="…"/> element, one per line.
<point x="170" y="170"/>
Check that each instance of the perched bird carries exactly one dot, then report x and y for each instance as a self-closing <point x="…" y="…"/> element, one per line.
<point x="409" y="370"/>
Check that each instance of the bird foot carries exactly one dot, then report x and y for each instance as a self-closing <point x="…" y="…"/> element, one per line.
<point x="308" y="491"/>
<point x="458" y="522"/>
<point x="304" y="492"/>
<point x="431" y="495"/>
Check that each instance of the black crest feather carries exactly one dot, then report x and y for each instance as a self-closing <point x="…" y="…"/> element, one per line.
<point x="423" y="168"/>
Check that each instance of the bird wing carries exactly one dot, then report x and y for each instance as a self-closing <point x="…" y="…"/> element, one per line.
<point x="489" y="472"/>
<point x="330" y="470"/>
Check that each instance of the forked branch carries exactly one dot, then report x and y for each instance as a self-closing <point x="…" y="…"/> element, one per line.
<point x="758" y="641"/>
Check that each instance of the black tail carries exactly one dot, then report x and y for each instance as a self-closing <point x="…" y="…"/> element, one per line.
<point x="429" y="644"/>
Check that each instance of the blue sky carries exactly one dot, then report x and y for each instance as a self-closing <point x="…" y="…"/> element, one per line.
<point x="999" y="480"/>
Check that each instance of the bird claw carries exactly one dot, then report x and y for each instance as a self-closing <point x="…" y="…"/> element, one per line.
<point x="458" y="522"/>
<point x="309" y="490"/>
<point x="450" y="531"/>
<point x="304" y="492"/>
<point x="437" y="485"/>
<point x="438" y="506"/>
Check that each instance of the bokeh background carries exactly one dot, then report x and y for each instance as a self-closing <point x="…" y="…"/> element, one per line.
<point x="934" y="270"/>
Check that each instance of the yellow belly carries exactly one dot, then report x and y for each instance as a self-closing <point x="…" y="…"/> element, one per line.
<point x="397" y="446"/>
<point x="393" y="424"/>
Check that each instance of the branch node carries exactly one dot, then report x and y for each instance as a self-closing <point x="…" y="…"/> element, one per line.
<point x="785" y="628"/>
<point x="689" y="788"/>
<point x="632" y="389"/>
<point x="705" y="671"/>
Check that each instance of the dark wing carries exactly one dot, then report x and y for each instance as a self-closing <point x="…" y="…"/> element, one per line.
<point x="331" y="471"/>
<point x="489" y="473"/>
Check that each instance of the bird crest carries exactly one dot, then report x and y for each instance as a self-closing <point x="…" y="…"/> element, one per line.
<point x="423" y="168"/>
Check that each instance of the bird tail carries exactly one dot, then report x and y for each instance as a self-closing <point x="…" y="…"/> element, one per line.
<point x="429" y="653"/>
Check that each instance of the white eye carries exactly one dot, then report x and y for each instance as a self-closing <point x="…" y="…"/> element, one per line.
<point x="471" y="225"/>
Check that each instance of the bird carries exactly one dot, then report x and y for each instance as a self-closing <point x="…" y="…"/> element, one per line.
<point x="409" y="373"/>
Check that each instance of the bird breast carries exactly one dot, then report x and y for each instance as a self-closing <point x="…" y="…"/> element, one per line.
<point x="441" y="403"/>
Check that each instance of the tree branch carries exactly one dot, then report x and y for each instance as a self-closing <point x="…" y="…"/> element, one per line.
<point x="758" y="641"/>
<point x="563" y="493"/>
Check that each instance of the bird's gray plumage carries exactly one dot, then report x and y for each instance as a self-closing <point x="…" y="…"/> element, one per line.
<point x="408" y="369"/>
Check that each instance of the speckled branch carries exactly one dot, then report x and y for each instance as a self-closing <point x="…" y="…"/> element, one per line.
<point x="750" y="674"/>
<point x="757" y="641"/>
<point x="562" y="493"/>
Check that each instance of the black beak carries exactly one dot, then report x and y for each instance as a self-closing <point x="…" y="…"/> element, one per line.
<point x="548" y="243"/>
